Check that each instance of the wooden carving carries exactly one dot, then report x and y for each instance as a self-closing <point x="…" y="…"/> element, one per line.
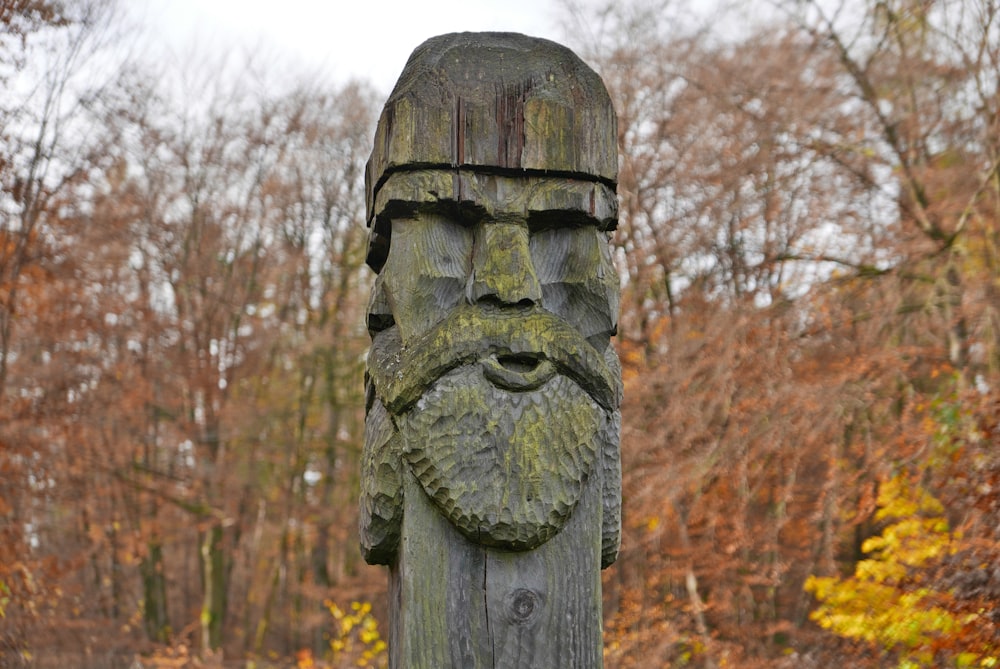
<point x="491" y="481"/>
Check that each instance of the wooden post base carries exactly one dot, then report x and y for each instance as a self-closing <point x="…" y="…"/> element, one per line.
<point x="465" y="606"/>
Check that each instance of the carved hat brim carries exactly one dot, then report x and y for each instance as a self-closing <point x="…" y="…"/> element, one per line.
<point x="496" y="102"/>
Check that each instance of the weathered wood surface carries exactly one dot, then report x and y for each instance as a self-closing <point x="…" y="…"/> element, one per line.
<point x="499" y="101"/>
<point x="462" y="605"/>
<point x="491" y="482"/>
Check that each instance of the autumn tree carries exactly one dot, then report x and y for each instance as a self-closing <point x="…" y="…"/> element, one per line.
<point x="922" y="76"/>
<point x="808" y="254"/>
<point x="187" y="407"/>
<point x="51" y="58"/>
<point x="246" y="245"/>
<point x="783" y="318"/>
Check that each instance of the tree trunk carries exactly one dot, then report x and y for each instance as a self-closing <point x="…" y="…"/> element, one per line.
<point x="213" y="571"/>
<point x="154" y="593"/>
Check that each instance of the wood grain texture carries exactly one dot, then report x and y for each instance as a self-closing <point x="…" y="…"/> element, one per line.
<point x="381" y="508"/>
<point x="468" y="606"/>
<point x="491" y="478"/>
<point x="500" y="101"/>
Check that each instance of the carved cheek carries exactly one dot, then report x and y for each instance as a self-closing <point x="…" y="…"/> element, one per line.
<point x="426" y="272"/>
<point x="579" y="282"/>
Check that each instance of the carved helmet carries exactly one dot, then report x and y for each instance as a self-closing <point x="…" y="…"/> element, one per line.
<point x="501" y="103"/>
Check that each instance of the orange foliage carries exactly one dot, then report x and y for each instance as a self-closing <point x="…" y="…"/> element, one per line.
<point x="809" y="310"/>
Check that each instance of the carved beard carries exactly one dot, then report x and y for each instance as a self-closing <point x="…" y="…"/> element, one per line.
<point x="501" y="417"/>
<point x="506" y="467"/>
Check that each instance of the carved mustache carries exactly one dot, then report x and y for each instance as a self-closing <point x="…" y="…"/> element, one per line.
<point x="535" y="340"/>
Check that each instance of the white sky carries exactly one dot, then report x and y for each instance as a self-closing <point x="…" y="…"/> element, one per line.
<point x="369" y="39"/>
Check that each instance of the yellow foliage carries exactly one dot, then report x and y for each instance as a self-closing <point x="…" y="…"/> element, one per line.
<point x="357" y="636"/>
<point x="4" y="598"/>
<point x="883" y="603"/>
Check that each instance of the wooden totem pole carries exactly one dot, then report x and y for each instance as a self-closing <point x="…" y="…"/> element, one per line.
<point x="491" y="482"/>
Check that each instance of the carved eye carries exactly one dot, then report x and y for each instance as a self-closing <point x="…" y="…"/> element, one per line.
<point x="578" y="282"/>
<point x="379" y="241"/>
<point x="379" y="315"/>
<point x="378" y="322"/>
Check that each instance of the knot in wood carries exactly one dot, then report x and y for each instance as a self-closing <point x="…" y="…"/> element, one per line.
<point x="523" y="606"/>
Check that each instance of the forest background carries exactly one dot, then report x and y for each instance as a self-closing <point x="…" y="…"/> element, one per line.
<point x="809" y="248"/>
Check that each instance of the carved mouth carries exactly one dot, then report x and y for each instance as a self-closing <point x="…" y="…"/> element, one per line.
<point x="524" y="371"/>
<point x="518" y="363"/>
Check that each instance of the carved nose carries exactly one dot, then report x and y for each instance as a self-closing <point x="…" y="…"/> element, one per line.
<point x="502" y="270"/>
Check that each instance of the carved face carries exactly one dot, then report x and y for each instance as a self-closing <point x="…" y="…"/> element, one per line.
<point x="491" y="356"/>
<point x="515" y="244"/>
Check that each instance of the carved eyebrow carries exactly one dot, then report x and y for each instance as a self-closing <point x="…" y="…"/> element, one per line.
<point x="467" y="196"/>
<point x="467" y="215"/>
<point x="562" y="218"/>
<point x="476" y="195"/>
